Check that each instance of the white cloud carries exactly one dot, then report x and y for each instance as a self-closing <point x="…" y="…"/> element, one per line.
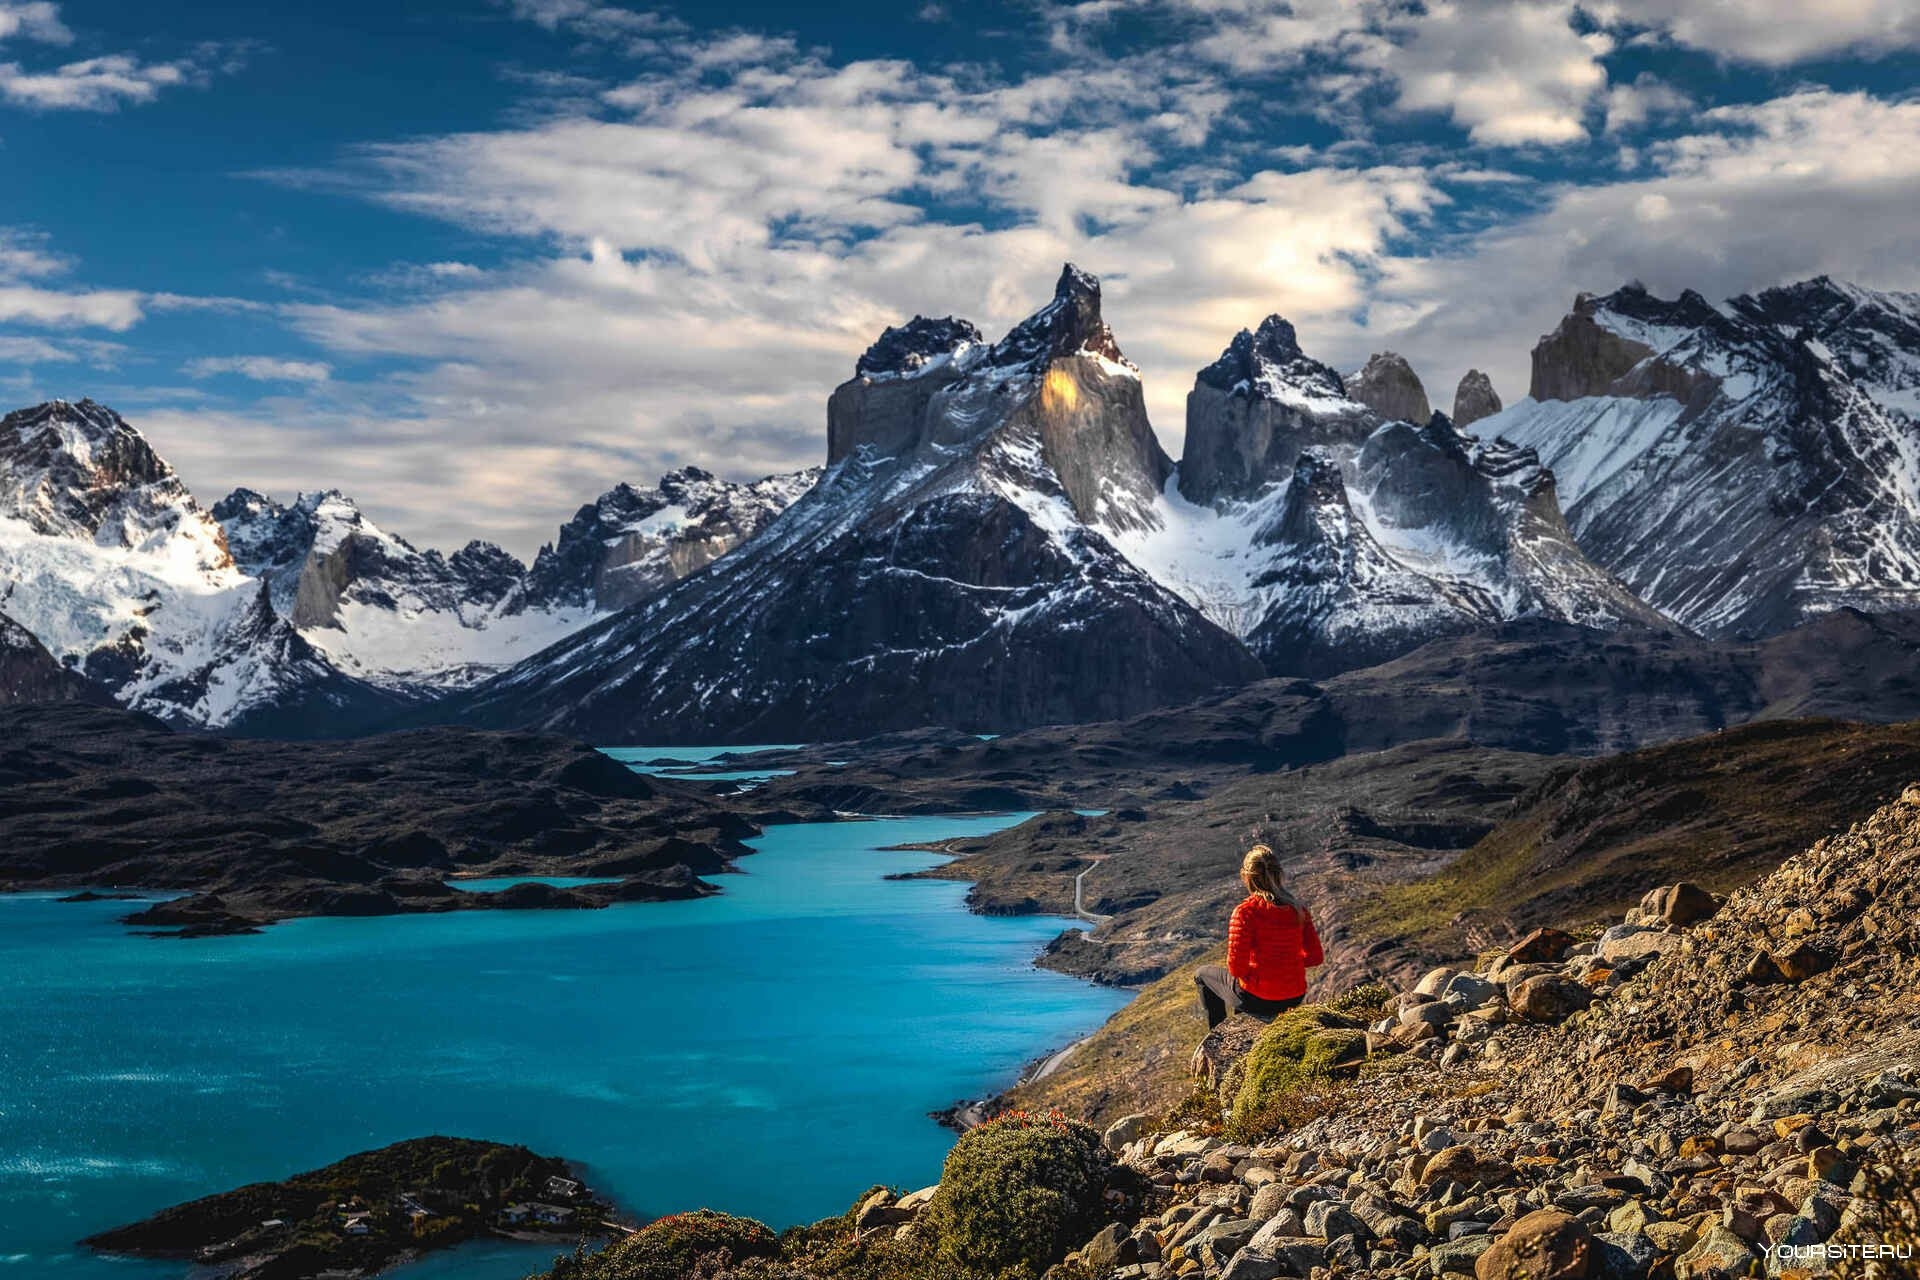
<point x="93" y="84"/>
<point x="1629" y="106"/>
<point x="1507" y="71"/>
<point x="114" y="309"/>
<point x="1774" y="32"/>
<point x="19" y="350"/>
<point x="260" y="368"/>
<point x="35" y="20"/>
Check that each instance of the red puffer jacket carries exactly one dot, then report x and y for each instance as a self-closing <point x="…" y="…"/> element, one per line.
<point x="1270" y="947"/>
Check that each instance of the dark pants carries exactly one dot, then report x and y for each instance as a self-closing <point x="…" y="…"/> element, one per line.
<point x="1221" y="997"/>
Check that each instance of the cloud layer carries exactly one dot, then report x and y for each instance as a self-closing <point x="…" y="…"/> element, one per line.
<point x="706" y="228"/>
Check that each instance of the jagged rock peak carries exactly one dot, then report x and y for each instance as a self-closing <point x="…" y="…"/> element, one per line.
<point x="1474" y="399"/>
<point x="1268" y="362"/>
<point x="1071" y="324"/>
<point x="1608" y="344"/>
<point x="1388" y="385"/>
<point x="908" y="348"/>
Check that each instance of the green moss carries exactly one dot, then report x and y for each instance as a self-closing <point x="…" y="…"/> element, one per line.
<point x="1304" y="1046"/>
<point x="1017" y="1193"/>
<point x="673" y="1249"/>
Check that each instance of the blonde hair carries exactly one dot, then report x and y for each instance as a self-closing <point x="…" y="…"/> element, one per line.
<point x="1260" y="872"/>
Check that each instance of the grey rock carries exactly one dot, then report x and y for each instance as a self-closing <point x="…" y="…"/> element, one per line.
<point x="1388" y="385"/>
<point x="1474" y="399"/>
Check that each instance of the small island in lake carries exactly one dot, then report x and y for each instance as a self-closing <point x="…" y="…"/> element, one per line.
<point x="369" y="1212"/>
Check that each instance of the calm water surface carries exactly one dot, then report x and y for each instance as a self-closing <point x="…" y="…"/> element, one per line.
<point x="772" y="1051"/>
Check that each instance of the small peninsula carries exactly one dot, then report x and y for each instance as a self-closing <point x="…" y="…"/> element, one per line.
<point x="368" y="1212"/>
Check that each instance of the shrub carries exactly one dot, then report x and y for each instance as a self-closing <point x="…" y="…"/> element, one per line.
<point x="1017" y="1193"/>
<point x="1364" y="1003"/>
<point x="1303" y="1047"/>
<point x="673" y="1249"/>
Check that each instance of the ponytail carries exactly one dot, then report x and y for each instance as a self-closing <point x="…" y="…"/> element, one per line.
<point x="1260" y="873"/>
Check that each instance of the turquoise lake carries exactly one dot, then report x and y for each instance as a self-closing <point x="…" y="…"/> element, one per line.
<point x="772" y="1051"/>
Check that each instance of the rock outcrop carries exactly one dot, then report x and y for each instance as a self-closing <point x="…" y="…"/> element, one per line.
<point x="1388" y="385"/>
<point x="1474" y="399"/>
<point x="1253" y="410"/>
<point x="1431" y="532"/>
<point x="254" y="832"/>
<point x="631" y="543"/>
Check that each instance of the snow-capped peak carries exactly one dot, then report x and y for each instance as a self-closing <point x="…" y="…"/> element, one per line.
<point x="909" y="348"/>
<point x="1744" y="466"/>
<point x="1071" y="324"/>
<point x="1267" y="363"/>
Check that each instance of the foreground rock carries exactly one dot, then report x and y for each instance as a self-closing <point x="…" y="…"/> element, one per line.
<point x="261" y="831"/>
<point x="367" y="1213"/>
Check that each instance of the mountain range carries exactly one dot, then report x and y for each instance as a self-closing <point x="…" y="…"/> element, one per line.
<point x="302" y="618"/>
<point x="999" y="540"/>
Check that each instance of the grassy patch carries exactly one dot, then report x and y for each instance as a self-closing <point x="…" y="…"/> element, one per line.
<point x="1590" y="839"/>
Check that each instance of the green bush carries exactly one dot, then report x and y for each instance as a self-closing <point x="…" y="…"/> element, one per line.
<point x="673" y="1249"/>
<point x="1303" y="1047"/>
<point x="1017" y="1193"/>
<point x="1365" y="1003"/>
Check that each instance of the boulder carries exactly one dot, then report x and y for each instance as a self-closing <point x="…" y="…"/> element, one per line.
<point x="1457" y="1257"/>
<point x="1332" y="1219"/>
<point x="1678" y="905"/>
<point x="1542" y="946"/>
<point x="1549" y="997"/>
<point x="1626" y="942"/>
<point x="1622" y="1255"/>
<point x="1123" y="1132"/>
<point x="1544" y="1245"/>
<point x="1802" y="962"/>
<point x="1468" y="991"/>
<point x="1717" y="1255"/>
<point x="1465" y="1165"/>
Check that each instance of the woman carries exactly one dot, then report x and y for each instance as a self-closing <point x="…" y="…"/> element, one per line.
<point x="1270" y="946"/>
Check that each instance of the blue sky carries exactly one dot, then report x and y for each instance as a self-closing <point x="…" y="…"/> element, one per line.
<point x="472" y="261"/>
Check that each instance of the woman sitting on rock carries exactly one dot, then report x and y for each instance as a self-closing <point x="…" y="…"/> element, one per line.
<point x="1270" y="946"/>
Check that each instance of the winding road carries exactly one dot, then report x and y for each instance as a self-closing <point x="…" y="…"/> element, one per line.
<point x="1080" y="890"/>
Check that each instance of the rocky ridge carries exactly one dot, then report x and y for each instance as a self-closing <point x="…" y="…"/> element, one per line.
<point x="306" y="618"/>
<point x="1743" y="466"/>
<point x="954" y="566"/>
<point x="114" y="568"/>
<point x="1318" y="522"/>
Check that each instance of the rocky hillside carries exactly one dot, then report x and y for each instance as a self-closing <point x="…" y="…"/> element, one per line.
<point x="1710" y="1089"/>
<point x="420" y="623"/>
<point x="1335" y="524"/>
<point x="1381" y="778"/>
<point x="630" y="544"/>
<point x="28" y="673"/>
<point x="1742" y="467"/>
<point x="954" y="566"/>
